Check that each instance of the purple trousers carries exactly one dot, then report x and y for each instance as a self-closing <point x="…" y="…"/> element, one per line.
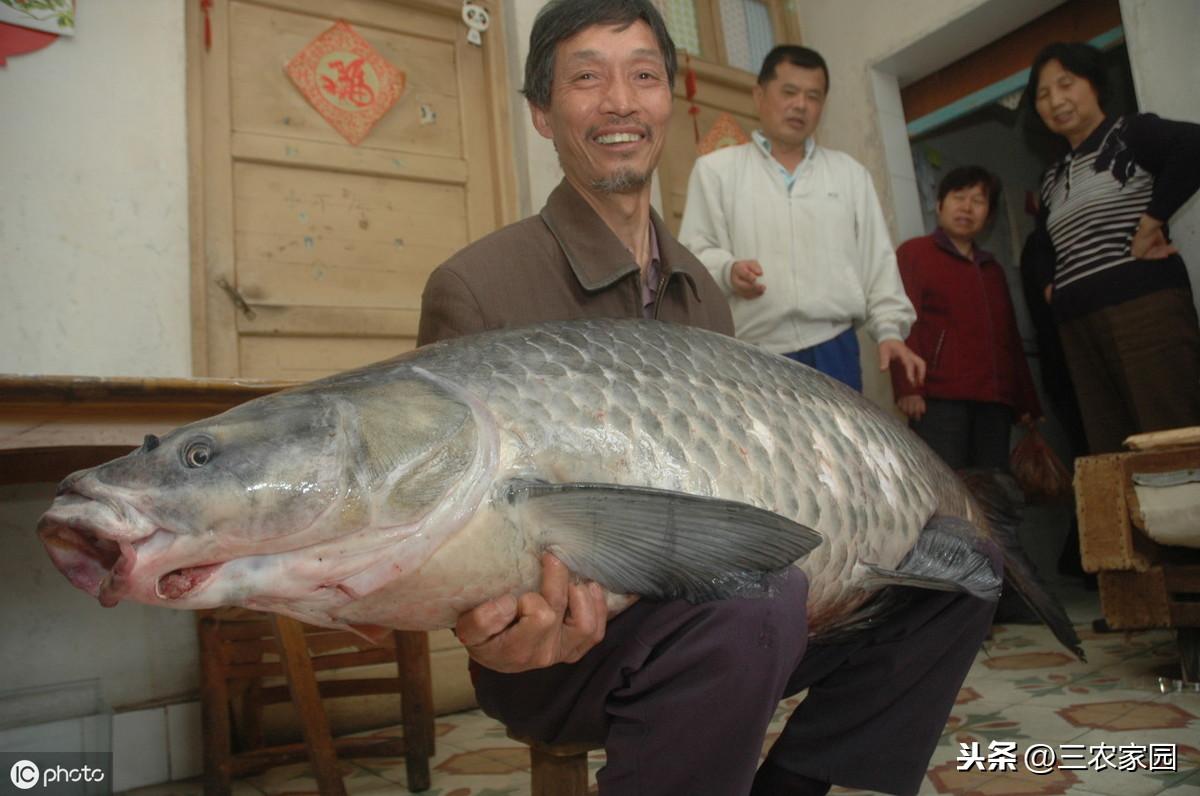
<point x="680" y="695"/>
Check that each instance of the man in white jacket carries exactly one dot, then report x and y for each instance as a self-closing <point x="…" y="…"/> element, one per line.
<point x="794" y="234"/>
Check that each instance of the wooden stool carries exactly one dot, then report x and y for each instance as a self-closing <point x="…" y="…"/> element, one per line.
<point x="557" y="769"/>
<point x="233" y="643"/>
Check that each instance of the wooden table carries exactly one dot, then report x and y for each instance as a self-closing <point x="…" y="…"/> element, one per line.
<point x="51" y="426"/>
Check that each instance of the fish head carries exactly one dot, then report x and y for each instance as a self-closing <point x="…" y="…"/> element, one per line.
<point x="293" y="502"/>
<point x="158" y="524"/>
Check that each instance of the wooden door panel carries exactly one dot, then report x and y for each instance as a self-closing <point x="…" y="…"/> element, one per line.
<point x="265" y="100"/>
<point x="311" y="244"/>
<point x="314" y="238"/>
<point x="720" y="90"/>
<point x="355" y="160"/>
<point x="306" y="358"/>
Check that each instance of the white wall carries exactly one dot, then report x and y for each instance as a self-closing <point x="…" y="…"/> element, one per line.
<point x="93" y="198"/>
<point x="1161" y="36"/>
<point x="851" y="121"/>
<point x="51" y="633"/>
<point x="93" y="280"/>
<point x="536" y="161"/>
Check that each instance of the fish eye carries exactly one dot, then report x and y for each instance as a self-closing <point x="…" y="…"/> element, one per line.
<point x="198" y="453"/>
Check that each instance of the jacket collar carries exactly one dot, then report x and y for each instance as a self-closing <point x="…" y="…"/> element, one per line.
<point x="764" y="144"/>
<point x="978" y="256"/>
<point x="597" y="257"/>
<point x="1093" y="141"/>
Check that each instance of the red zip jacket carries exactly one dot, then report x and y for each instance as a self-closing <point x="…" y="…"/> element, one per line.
<point x="965" y="329"/>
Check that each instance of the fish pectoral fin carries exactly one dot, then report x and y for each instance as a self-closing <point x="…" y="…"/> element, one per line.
<point x="944" y="559"/>
<point x="659" y="543"/>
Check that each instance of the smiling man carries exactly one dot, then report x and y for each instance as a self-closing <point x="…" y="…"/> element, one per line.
<point x="551" y="665"/>
<point x="794" y="234"/>
<point x="598" y="81"/>
<point x="679" y="695"/>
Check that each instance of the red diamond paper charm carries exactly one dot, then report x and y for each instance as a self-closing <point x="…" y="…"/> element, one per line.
<point x="346" y="80"/>
<point x="724" y="132"/>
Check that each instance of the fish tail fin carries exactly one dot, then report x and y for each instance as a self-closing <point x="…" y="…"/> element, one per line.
<point x="998" y="495"/>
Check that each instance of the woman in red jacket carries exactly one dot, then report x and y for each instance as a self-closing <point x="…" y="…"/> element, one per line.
<point x="978" y="381"/>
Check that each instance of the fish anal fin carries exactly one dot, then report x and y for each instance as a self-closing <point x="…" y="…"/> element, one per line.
<point x="945" y="558"/>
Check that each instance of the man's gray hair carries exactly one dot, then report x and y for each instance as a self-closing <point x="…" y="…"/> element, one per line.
<point x="559" y="20"/>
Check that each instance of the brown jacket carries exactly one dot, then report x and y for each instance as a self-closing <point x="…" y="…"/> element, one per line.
<point x="562" y="264"/>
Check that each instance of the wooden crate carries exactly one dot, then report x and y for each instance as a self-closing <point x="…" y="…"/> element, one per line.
<point x="1142" y="584"/>
<point x="1167" y="595"/>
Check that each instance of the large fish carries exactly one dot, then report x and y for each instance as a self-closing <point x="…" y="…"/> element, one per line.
<point x="658" y="460"/>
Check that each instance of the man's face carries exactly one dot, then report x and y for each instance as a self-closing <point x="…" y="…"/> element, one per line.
<point x="790" y="104"/>
<point x="962" y="213"/>
<point x="609" y="107"/>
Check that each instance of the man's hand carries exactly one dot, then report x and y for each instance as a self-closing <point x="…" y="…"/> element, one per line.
<point x="1149" y="242"/>
<point x="914" y="366"/>
<point x="743" y="275"/>
<point x="913" y="406"/>
<point x="558" y="625"/>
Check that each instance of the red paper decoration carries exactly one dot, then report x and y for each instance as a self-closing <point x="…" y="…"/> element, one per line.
<point x="724" y="132"/>
<point x="206" y="6"/>
<point x="16" y="40"/>
<point x="346" y="80"/>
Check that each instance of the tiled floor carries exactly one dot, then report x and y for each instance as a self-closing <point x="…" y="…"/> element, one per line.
<point x="1023" y="689"/>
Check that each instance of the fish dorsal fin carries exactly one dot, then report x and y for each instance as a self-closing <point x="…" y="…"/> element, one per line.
<point x="944" y="559"/>
<point x="659" y="543"/>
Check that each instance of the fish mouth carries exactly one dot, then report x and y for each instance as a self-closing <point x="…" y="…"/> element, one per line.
<point x="93" y="561"/>
<point x="101" y="561"/>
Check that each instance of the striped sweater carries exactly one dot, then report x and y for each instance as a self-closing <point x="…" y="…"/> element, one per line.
<point x="1093" y="198"/>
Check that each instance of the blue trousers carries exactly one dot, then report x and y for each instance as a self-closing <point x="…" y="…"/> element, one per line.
<point x="837" y="358"/>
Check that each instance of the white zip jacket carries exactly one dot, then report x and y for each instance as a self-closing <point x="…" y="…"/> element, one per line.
<point x="823" y="245"/>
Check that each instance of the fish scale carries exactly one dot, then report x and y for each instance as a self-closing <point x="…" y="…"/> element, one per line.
<point x="661" y="369"/>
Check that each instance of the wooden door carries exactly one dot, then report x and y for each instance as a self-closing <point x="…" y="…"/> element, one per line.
<point x="310" y="254"/>
<point x="720" y="89"/>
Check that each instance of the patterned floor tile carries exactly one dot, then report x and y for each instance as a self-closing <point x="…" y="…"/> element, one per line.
<point x="1189" y="701"/>
<point x="1189" y="787"/>
<point x="1125" y="763"/>
<point x="948" y="778"/>
<point x="983" y="721"/>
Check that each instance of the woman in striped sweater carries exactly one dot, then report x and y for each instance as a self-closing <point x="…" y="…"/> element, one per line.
<point x="1119" y="289"/>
